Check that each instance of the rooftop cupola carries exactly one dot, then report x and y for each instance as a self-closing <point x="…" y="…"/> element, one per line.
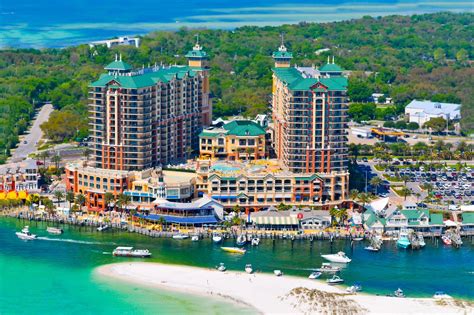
<point x="118" y="67"/>
<point x="197" y="57"/>
<point x="282" y="57"/>
<point x="331" y="69"/>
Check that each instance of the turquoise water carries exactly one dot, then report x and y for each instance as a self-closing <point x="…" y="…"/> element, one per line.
<point x="55" y="274"/>
<point x="46" y="23"/>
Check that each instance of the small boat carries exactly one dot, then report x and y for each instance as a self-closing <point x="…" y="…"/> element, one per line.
<point x="334" y="280"/>
<point x="399" y="293"/>
<point x="354" y="288"/>
<point x="315" y="275"/>
<point x="340" y="257"/>
<point x="241" y="240"/>
<point x="277" y="273"/>
<point x="102" y="228"/>
<point x="195" y="238"/>
<point x="255" y="241"/>
<point x="446" y="240"/>
<point x="441" y="295"/>
<point x="180" y="236"/>
<point x="248" y="268"/>
<point x="130" y="252"/>
<point x="234" y="250"/>
<point x="25" y="234"/>
<point x="54" y="230"/>
<point x="372" y="248"/>
<point x="403" y="240"/>
<point x="216" y="238"/>
<point x="221" y="267"/>
<point x="327" y="267"/>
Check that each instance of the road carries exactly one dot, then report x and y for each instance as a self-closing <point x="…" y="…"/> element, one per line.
<point x="33" y="135"/>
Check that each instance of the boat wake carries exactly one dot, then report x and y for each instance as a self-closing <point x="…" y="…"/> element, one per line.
<point x="67" y="240"/>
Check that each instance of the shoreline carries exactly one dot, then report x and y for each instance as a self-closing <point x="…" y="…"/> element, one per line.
<point x="268" y="294"/>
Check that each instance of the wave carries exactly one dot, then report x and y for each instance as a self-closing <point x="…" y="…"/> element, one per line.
<point x="68" y="240"/>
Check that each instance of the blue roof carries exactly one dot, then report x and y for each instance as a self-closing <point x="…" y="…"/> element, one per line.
<point x="206" y="219"/>
<point x="436" y="108"/>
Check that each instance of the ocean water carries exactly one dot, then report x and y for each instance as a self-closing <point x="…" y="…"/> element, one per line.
<point x="53" y="23"/>
<point x="55" y="274"/>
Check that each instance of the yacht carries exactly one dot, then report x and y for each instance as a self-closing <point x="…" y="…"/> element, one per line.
<point x="315" y="275"/>
<point x="340" y="257"/>
<point x="441" y="295"/>
<point x="130" y="252"/>
<point x="334" y="280"/>
<point x="403" y="240"/>
<point x="54" y="230"/>
<point x="255" y="241"/>
<point x="25" y="234"/>
<point x="221" y="267"/>
<point x="327" y="267"/>
<point x="216" y="237"/>
<point x="248" y="268"/>
<point x="102" y="228"/>
<point x="241" y="240"/>
<point x="180" y="236"/>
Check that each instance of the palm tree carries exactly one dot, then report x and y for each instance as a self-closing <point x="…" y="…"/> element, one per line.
<point x="59" y="195"/>
<point x="70" y="197"/>
<point x="405" y="192"/>
<point x="376" y="182"/>
<point x="108" y="199"/>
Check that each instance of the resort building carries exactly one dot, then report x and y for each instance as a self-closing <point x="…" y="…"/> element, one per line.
<point x="148" y="117"/>
<point x="421" y="112"/>
<point x="236" y="140"/>
<point x="21" y="176"/>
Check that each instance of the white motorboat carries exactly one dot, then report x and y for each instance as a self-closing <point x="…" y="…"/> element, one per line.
<point x="102" y="228"/>
<point x="255" y="241"/>
<point x="334" y="280"/>
<point x="221" y="267"/>
<point x="195" y="238"/>
<point x="399" y="293"/>
<point x="248" y="268"/>
<point x="372" y="248"/>
<point x="327" y="267"/>
<point x="441" y="295"/>
<point x="54" y="230"/>
<point x="130" y="252"/>
<point x="241" y="240"/>
<point x="216" y="238"/>
<point x="278" y="273"/>
<point x="315" y="275"/>
<point x="25" y="234"/>
<point x="180" y="236"/>
<point x="340" y="257"/>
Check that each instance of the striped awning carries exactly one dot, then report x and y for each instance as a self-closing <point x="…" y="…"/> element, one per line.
<point x="275" y="220"/>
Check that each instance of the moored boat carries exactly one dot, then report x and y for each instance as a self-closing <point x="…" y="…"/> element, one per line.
<point x="327" y="267"/>
<point x="340" y="257"/>
<point x="334" y="280"/>
<point x="123" y="251"/>
<point x="25" y="234"/>
<point x="54" y="230"/>
<point x="248" y="268"/>
<point x="234" y="250"/>
<point x="315" y="275"/>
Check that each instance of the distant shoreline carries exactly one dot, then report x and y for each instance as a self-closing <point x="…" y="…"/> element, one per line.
<point x="270" y="294"/>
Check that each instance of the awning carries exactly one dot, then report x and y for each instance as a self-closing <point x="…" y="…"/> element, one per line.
<point x="275" y="220"/>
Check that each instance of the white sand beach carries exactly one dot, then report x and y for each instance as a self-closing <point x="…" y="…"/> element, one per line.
<point x="269" y="294"/>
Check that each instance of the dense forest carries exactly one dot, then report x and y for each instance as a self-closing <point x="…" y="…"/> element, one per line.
<point x="421" y="56"/>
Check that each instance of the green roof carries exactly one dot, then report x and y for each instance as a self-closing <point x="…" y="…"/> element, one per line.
<point x="296" y="82"/>
<point x="244" y="128"/>
<point x="330" y="67"/>
<point x="118" y="65"/>
<point x="468" y="218"/>
<point x="436" y="218"/>
<point x="196" y="54"/>
<point x="146" y="79"/>
<point x="282" y="54"/>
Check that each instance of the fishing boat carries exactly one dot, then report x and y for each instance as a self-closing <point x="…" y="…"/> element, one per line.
<point x="446" y="240"/>
<point x="130" y="252"/>
<point x="340" y="257"/>
<point x="241" y="240"/>
<point x="216" y="237"/>
<point x="248" y="268"/>
<point x="441" y="295"/>
<point x="234" y="250"/>
<point x="334" y="280"/>
<point x="277" y="273"/>
<point x="354" y="288"/>
<point x="327" y="267"/>
<point x="372" y="248"/>
<point x="255" y="241"/>
<point x="315" y="275"/>
<point x="25" y="234"/>
<point x="403" y="240"/>
<point x="221" y="267"/>
<point x="180" y="236"/>
<point x="399" y="293"/>
<point x="102" y="228"/>
<point x="54" y="230"/>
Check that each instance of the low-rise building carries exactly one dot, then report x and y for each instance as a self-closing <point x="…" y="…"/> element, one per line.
<point x="236" y="140"/>
<point x="20" y="176"/>
<point x="421" y="112"/>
